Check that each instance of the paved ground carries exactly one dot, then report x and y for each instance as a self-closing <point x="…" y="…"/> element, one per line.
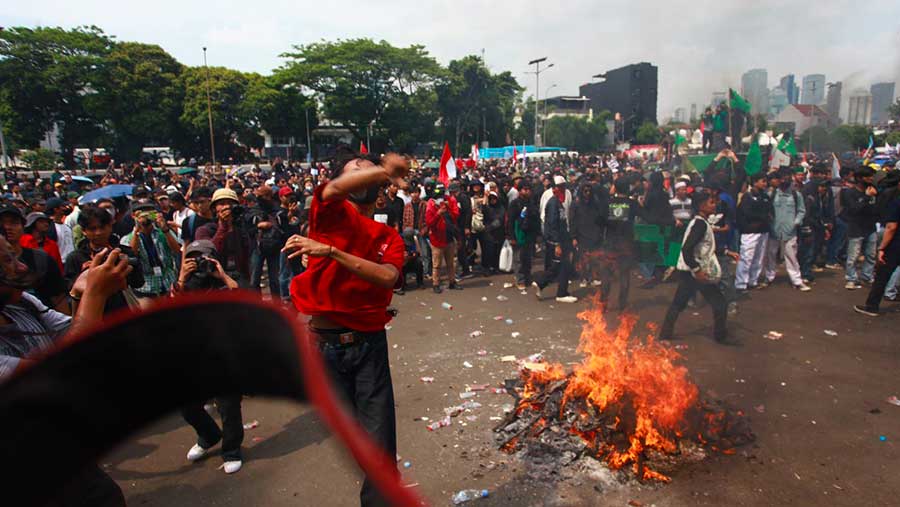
<point x="818" y="437"/>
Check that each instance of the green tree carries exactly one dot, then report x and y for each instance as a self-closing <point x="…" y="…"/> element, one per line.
<point x="227" y="89"/>
<point x="894" y="111"/>
<point x="143" y="98"/>
<point x="475" y="104"/>
<point x="40" y="159"/>
<point x="648" y="133"/>
<point x="819" y="139"/>
<point x="359" y="80"/>
<point x="893" y="138"/>
<point x="50" y="77"/>
<point x="577" y="133"/>
<point x="851" y="137"/>
<point x="277" y="108"/>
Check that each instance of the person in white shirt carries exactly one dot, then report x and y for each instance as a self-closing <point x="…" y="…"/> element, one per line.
<point x="56" y="209"/>
<point x="182" y="211"/>
<point x="682" y="207"/>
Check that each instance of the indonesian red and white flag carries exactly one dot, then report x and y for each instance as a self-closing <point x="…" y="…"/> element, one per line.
<point x="515" y="155"/>
<point x="362" y="148"/>
<point x="474" y="154"/>
<point x="448" y="166"/>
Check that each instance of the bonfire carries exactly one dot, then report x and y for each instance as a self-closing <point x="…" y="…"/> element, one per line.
<point x="628" y="403"/>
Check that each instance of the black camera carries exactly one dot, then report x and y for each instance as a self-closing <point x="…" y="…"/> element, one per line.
<point x="205" y="265"/>
<point x="237" y="211"/>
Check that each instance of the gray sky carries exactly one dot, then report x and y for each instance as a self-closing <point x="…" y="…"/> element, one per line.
<point x="699" y="46"/>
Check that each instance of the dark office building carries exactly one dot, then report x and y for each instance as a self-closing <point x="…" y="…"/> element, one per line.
<point x="630" y="91"/>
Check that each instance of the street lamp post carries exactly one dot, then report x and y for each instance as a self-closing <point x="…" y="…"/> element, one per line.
<point x="212" y="144"/>
<point x="537" y="93"/>
<point x="308" y="140"/>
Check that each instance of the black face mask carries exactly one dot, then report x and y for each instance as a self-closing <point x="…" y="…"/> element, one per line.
<point x="365" y="197"/>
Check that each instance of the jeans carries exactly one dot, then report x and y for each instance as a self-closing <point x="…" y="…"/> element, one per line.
<point x="621" y="265"/>
<point x="687" y="286"/>
<point x="524" y="257"/>
<point x="866" y="246"/>
<point x="560" y="270"/>
<point x="272" y="262"/>
<point x="285" y="275"/>
<point x="810" y="245"/>
<point x="883" y="275"/>
<point x="891" y="290"/>
<point x="362" y="376"/>
<point x="726" y="283"/>
<point x="208" y="432"/>
<point x="838" y="242"/>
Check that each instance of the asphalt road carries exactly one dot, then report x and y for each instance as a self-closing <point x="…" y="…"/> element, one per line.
<point x="816" y="402"/>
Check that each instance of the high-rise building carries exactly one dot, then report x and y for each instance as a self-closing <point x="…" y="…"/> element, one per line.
<point x="813" y="89"/>
<point x="754" y="87"/>
<point x="778" y="100"/>
<point x="790" y="88"/>
<point x="680" y="115"/>
<point x="860" y="109"/>
<point x="629" y="91"/>
<point x="833" y="100"/>
<point x="882" y="98"/>
<point x="693" y="113"/>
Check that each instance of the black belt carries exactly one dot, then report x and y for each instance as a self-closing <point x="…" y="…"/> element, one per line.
<point x="343" y="337"/>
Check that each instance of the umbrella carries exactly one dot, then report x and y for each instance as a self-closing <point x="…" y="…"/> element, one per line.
<point x="107" y="192"/>
<point x="187" y="170"/>
<point x="83" y="179"/>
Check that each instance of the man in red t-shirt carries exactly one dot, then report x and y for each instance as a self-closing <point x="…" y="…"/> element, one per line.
<point x="354" y="263"/>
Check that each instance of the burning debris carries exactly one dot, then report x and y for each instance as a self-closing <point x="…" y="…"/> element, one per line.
<point x="627" y="404"/>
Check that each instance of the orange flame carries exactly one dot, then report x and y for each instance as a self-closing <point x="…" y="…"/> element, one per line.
<point x="626" y="376"/>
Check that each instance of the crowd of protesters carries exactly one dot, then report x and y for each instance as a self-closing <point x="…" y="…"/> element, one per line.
<point x="596" y="222"/>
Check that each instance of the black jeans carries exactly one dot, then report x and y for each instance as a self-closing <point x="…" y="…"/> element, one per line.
<point x="620" y="267"/>
<point x="462" y="255"/>
<point x="560" y="270"/>
<point x="208" y="432"/>
<point x="362" y="375"/>
<point x="883" y="273"/>
<point x="413" y="266"/>
<point x="273" y="262"/>
<point x="525" y="257"/>
<point x="687" y="286"/>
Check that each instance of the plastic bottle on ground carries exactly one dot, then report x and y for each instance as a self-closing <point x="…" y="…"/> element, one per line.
<point x="469" y="494"/>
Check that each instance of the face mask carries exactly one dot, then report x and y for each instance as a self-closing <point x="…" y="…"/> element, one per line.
<point x="308" y="188"/>
<point x="365" y="197"/>
<point x="714" y="218"/>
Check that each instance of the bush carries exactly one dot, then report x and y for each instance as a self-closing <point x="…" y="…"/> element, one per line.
<point x="40" y="159"/>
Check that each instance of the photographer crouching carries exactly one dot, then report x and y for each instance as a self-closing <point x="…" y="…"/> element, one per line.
<point x="202" y="271"/>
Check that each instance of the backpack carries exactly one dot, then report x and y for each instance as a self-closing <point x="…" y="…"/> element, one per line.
<point x="191" y="220"/>
<point x="271" y="240"/>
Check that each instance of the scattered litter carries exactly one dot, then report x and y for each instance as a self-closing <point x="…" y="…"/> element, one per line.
<point x="875" y="411"/>
<point x="395" y="345"/>
<point x="509" y="321"/>
<point x="835" y="486"/>
<point x="476" y="333"/>
<point x="467" y="364"/>
<point x="893" y="400"/>
<point x="783" y="384"/>
<point x="524" y="293"/>
<point x="427" y="380"/>
<point x="443" y="423"/>
<point x="797" y="476"/>
<point x="483" y="299"/>
<point x="471" y="418"/>
<point x="830" y="332"/>
<point x="512" y="359"/>
<point x="422" y="303"/>
<point x="696" y="314"/>
<point x="468" y="494"/>
<point x="496" y="418"/>
<point x="882" y="438"/>
<point x="446" y="306"/>
<point x="507" y="285"/>
<point x="740" y="381"/>
<point x="774" y="335"/>
<point x="497" y="390"/>
<point x="501" y="297"/>
<point x="467" y="394"/>
<point x="476" y="387"/>
<point x="635" y="503"/>
<point x="411" y="485"/>
<point x="536" y="357"/>
<point x="813" y="422"/>
<point x="515" y="334"/>
<point x="257" y="439"/>
<point x="428" y="317"/>
<point x="527" y="365"/>
<point x="498" y="317"/>
<point x="760" y="408"/>
<point x="407" y="464"/>
<point x="508" y="408"/>
<point x="482" y="352"/>
<point x="252" y="424"/>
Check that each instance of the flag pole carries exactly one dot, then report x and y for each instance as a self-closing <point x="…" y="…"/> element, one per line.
<point x="730" y="120"/>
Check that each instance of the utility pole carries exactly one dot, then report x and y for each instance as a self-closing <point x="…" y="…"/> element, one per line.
<point x="4" y="160"/>
<point x="308" y="140"/>
<point x="537" y="93"/>
<point x="212" y="143"/>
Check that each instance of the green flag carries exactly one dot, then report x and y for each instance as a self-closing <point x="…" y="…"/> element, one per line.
<point x="786" y="145"/>
<point x="753" y="164"/>
<point x="738" y="102"/>
<point x="698" y="163"/>
<point x="679" y="139"/>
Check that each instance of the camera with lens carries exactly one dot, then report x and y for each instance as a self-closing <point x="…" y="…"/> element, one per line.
<point x="237" y="211"/>
<point x="205" y="265"/>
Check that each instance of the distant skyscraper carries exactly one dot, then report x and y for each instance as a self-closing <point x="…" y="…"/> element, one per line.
<point x="833" y="100"/>
<point x="813" y="89"/>
<point x="680" y="115"/>
<point x="790" y="88"/>
<point x="693" y="113"/>
<point x="860" y="110"/>
<point x="882" y="98"/>
<point x="778" y="100"/>
<point x="755" y="88"/>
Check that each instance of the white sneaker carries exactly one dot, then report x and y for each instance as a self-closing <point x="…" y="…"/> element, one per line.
<point x="583" y="284"/>
<point x="803" y="287"/>
<point x="232" y="466"/>
<point x="537" y="290"/>
<point x="596" y="283"/>
<point x="196" y="452"/>
<point x="567" y="299"/>
<point x="852" y="286"/>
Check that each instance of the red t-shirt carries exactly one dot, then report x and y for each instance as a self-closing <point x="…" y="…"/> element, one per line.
<point x="326" y="288"/>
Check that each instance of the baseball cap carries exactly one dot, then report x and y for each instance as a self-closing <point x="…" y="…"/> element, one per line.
<point x="143" y="205"/>
<point x="285" y="191"/>
<point x="559" y="180"/>
<point x="54" y="203"/>
<point x="34" y="217"/>
<point x="12" y="210"/>
<point x="201" y="246"/>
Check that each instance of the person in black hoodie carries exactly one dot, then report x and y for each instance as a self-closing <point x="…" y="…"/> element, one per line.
<point x="618" y="254"/>
<point x="494" y="217"/>
<point x="522" y="227"/>
<point x="587" y="230"/>
<point x="754" y="218"/>
<point x="655" y="210"/>
<point x="860" y="213"/>
<point x="464" y="225"/>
